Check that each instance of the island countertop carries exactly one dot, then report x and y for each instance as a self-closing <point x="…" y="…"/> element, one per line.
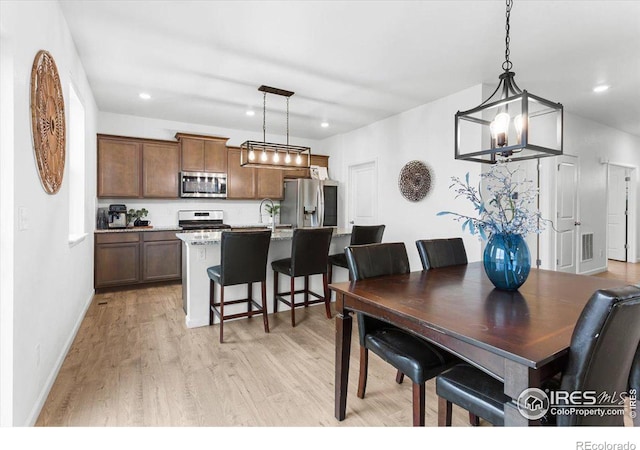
<point x="213" y="237"/>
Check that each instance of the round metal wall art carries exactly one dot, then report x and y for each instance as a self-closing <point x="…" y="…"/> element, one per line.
<point x="414" y="181"/>
<point x="48" y="121"/>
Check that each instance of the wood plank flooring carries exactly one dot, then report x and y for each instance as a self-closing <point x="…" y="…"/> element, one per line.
<point x="134" y="363"/>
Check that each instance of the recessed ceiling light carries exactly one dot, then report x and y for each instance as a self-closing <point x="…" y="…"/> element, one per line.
<point x="250" y="113"/>
<point x="144" y="96"/>
<point x="601" y="88"/>
<point x="324" y="124"/>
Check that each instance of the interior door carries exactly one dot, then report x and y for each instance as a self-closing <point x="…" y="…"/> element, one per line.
<point x="363" y="194"/>
<point x="617" y="201"/>
<point x="567" y="214"/>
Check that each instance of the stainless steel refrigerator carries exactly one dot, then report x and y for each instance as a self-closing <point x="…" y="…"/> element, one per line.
<point x="310" y="203"/>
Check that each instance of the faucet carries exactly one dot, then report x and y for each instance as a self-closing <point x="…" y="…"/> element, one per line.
<point x="273" y="222"/>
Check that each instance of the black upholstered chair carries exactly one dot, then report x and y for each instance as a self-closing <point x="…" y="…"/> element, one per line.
<point x="410" y="355"/>
<point x="601" y="357"/>
<point x="435" y="253"/>
<point x="309" y="256"/>
<point x="360" y="235"/>
<point x="243" y="260"/>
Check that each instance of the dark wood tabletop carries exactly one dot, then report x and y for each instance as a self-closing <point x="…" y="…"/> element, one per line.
<point x="518" y="337"/>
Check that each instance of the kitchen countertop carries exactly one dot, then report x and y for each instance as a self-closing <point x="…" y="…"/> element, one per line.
<point x="213" y="237"/>
<point x="177" y="228"/>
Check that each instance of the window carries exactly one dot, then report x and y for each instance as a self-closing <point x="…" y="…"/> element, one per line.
<point x="76" y="168"/>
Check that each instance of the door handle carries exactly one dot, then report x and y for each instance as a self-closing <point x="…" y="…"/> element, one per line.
<point x="351" y="222"/>
<point x="577" y="223"/>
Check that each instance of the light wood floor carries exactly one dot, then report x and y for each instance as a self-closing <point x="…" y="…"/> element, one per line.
<point x="134" y="363"/>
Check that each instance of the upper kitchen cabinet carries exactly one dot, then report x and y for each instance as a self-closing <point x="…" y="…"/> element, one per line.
<point x="160" y="169"/>
<point x="316" y="160"/>
<point x="119" y="167"/>
<point x="137" y="168"/>
<point x="203" y="153"/>
<point x="269" y="183"/>
<point x="241" y="181"/>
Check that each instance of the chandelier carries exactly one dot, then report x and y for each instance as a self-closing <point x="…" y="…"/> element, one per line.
<point x="511" y="124"/>
<point x="271" y="155"/>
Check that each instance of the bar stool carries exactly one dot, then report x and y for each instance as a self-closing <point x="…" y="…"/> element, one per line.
<point x="309" y="256"/>
<point x="243" y="260"/>
<point x="360" y="235"/>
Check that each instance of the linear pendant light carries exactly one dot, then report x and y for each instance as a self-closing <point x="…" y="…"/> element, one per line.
<point x="511" y="124"/>
<point x="270" y="155"/>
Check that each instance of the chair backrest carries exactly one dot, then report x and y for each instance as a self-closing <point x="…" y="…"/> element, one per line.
<point x="603" y="347"/>
<point x="366" y="234"/>
<point x="243" y="256"/>
<point x="374" y="260"/>
<point x="436" y="253"/>
<point x="310" y="251"/>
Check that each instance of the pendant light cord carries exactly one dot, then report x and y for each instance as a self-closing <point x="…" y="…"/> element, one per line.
<point x="264" y="117"/>
<point x="287" y="121"/>
<point x="507" y="65"/>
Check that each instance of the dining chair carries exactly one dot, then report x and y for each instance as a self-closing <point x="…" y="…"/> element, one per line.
<point x="410" y="355"/>
<point x="309" y="256"/>
<point x="360" y="235"/>
<point x="603" y="346"/>
<point x="243" y="260"/>
<point x="435" y="253"/>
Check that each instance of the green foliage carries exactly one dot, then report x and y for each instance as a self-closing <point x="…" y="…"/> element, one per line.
<point x="272" y="211"/>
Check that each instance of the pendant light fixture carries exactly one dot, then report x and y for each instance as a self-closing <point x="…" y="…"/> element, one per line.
<point x="511" y="124"/>
<point x="269" y="155"/>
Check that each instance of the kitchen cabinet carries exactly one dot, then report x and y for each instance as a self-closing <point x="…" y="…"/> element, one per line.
<point x="203" y="153"/>
<point x="119" y="167"/>
<point x="160" y="170"/>
<point x="250" y="182"/>
<point x="130" y="258"/>
<point x="316" y="160"/>
<point x="137" y="168"/>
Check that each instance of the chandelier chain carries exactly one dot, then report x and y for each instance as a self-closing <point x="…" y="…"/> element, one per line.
<point x="287" y="120"/>
<point x="507" y="65"/>
<point x="264" y="116"/>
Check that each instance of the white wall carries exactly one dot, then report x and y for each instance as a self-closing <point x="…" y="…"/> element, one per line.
<point x="424" y="133"/>
<point x="53" y="282"/>
<point x="164" y="212"/>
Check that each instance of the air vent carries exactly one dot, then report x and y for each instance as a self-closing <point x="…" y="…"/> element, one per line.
<point x="587" y="247"/>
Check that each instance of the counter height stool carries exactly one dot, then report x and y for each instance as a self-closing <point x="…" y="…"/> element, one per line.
<point x="360" y="234"/>
<point x="243" y="260"/>
<point x="309" y="256"/>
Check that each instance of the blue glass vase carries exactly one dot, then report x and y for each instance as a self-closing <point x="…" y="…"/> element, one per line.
<point x="507" y="261"/>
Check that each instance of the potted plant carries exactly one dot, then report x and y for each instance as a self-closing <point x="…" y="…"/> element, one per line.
<point x="136" y="215"/>
<point x="273" y="211"/>
<point x="505" y="218"/>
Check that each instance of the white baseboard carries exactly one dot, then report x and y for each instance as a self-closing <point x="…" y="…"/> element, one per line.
<point x="35" y="412"/>
<point x="594" y="271"/>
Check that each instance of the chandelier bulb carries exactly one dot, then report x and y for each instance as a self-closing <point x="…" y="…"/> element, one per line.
<point x="499" y="128"/>
<point x="252" y="155"/>
<point x="298" y="159"/>
<point x="264" y="157"/>
<point x="287" y="158"/>
<point x="276" y="157"/>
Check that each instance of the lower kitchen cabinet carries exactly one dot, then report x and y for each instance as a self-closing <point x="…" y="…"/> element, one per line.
<point x="131" y="258"/>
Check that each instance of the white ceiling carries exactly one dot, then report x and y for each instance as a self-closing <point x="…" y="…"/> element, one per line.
<point x="351" y="62"/>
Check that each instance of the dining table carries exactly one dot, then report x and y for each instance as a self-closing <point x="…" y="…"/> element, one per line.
<point x="519" y="337"/>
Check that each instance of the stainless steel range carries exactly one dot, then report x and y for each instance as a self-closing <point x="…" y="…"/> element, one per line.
<point x="202" y="219"/>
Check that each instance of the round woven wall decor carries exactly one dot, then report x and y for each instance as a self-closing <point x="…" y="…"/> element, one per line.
<point x="414" y="181"/>
<point x="47" y="121"/>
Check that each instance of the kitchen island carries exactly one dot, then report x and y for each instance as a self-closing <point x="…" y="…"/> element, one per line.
<point x="201" y="250"/>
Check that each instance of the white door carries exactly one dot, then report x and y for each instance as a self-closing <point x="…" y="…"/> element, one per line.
<point x="567" y="214"/>
<point x="617" y="195"/>
<point x="363" y="194"/>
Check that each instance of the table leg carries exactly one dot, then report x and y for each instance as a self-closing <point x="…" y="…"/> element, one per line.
<point x="517" y="378"/>
<point x="344" y="324"/>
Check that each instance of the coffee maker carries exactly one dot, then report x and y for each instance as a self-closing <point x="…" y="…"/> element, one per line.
<point x="117" y="216"/>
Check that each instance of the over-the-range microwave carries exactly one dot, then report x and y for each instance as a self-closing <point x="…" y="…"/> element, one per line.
<point x="203" y="184"/>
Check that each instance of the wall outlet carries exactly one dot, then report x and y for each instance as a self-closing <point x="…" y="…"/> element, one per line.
<point x="202" y="254"/>
<point x="38" y="355"/>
